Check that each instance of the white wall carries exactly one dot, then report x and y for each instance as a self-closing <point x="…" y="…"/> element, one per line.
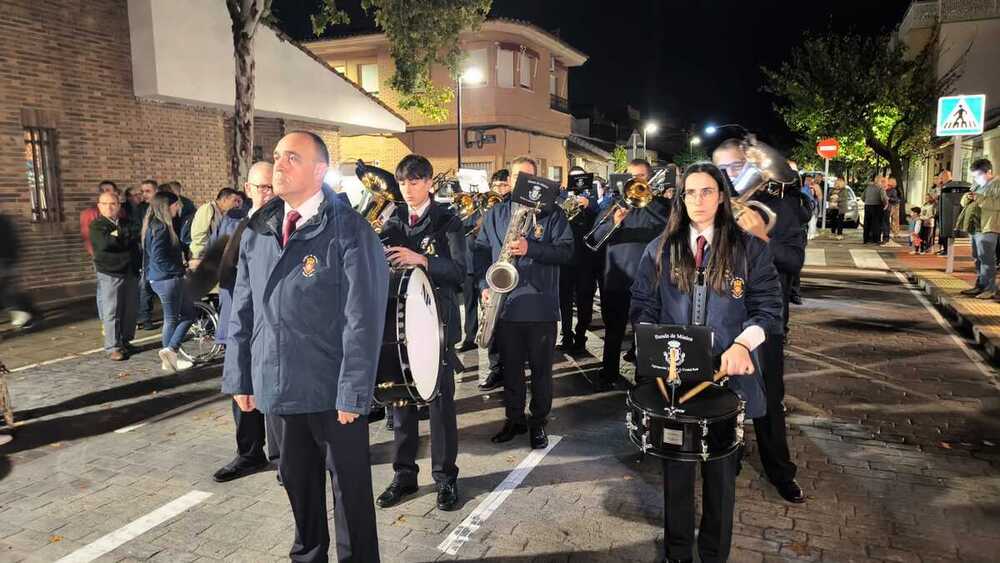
<point x="981" y="74"/>
<point x="182" y="51"/>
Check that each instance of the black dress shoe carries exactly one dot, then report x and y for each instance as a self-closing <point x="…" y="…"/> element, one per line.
<point x="238" y="468"/>
<point x="791" y="491"/>
<point x="507" y="433"/>
<point x="493" y="381"/>
<point x="150" y="325"/>
<point x="394" y="493"/>
<point x="629" y="356"/>
<point x="579" y="344"/>
<point x="566" y="344"/>
<point x="539" y="440"/>
<point x="466" y="346"/>
<point x="447" y="496"/>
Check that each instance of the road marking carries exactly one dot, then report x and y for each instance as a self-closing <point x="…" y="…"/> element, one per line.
<point x="815" y="257"/>
<point x="168" y="414"/>
<point x="868" y="259"/>
<point x="134" y="529"/>
<point x="86" y="353"/>
<point x="461" y="534"/>
<point x="976" y="359"/>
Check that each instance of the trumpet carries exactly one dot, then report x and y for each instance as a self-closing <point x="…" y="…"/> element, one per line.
<point x="571" y="206"/>
<point x="635" y="195"/>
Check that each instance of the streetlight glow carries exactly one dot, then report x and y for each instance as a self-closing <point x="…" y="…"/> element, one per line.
<point x="650" y="127"/>
<point x="710" y="130"/>
<point x="695" y="141"/>
<point x="472" y="75"/>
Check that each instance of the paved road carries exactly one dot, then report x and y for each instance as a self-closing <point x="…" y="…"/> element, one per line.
<point x="894" y="425"/>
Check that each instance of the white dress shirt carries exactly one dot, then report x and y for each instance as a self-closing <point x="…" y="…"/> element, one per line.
<point x="308" y="209"/>
<point x="419" y="211"/>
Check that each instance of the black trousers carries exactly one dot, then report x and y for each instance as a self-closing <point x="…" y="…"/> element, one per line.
<point x="576" y="287"/>
<point x="310" y="444"/>
<point x="534" y="342"/>
<point x="772" y="439"/>
<point x="444" y="437"/>
<point x="471" y="296"/>
<point x="836" y="223"/>
<point x="252" y="433"/>
<point x="873" y="223"/>
<point x="718" y="491"/>
<point x="614" y="310"/>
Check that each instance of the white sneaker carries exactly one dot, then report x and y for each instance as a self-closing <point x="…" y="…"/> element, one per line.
<point x="183" y="364"/>
<point x="169" y="360"/>
<point x="19" y="318"/>
<point x="182" y="354"/>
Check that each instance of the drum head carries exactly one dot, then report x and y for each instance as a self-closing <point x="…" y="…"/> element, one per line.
<point x="714" y="402"/>
<point x="423" y="334"/>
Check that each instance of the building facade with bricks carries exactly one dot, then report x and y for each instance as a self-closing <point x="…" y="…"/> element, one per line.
<point x="126" y="90"/>
<point x="519" y="107"/>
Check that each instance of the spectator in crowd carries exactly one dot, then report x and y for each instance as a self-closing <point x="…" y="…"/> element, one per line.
<point x="875" y="200"/>
<point x="88" y="215"/>
<point x="145" y="317"/>
<point x="207" y="220"/>
<point x="986" y="195"/>
<point x="133" y="198"/>
<point x="895" y="198"/>
<point x="164" y="267"/>
<point x="838" y="209"/>
<point x="927" y="220"/>
<point x="19" y="306"/>
<point x="116" y="259"/>
<point x="916" y="224"/>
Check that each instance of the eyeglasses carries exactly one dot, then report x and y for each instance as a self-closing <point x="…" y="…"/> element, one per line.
<point x="265" y="187"/>
<point x="733" y="168"/>
<point x="698" y="195"/>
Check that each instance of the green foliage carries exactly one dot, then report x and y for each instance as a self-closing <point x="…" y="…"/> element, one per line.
<point x="865" y="90"/>
<point x="619" y="158"/>
<point x="422" y="34"/>
<point x="690" y="156"/>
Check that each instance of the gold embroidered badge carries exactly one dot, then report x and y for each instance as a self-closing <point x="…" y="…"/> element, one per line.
<point x="309" y="266"/>
<point x="738" y="285"/>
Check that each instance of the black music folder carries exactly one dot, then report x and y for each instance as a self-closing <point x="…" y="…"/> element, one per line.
<point x="580" y="183"/>
<point x="691" y="345"/>
<point x="535" y="191"/>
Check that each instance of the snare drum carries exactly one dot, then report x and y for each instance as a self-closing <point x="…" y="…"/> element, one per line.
<point x="709" y="426"/>
<point x="413" y="343"/>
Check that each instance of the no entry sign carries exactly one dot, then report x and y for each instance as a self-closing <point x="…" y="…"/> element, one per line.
<point x="828" y="148"/>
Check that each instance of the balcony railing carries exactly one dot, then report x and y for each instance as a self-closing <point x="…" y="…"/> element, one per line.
<point x="559" y="104"/>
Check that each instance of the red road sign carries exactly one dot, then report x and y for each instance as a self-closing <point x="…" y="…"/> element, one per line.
<point x="828" y="148"/>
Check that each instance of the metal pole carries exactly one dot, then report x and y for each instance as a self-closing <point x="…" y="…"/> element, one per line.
<point x="459" y="146"/>
<point x="826" y="175"/>
<point x="956" y="158"/>
<point x="645" y="154"/>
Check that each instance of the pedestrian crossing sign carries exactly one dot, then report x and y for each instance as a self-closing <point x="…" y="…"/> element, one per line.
<point x="961" y="115"/>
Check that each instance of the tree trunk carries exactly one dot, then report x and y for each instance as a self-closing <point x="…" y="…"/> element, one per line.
<point x="245" y="15"/>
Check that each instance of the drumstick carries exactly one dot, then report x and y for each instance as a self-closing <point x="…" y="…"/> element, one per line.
<point x="701" y="387"/>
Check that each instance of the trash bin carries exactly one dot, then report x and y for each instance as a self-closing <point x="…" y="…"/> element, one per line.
<point x="950" y="207"/>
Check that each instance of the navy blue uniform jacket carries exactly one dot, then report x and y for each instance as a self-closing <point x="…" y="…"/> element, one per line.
<point x="625" y="247"/>
<point x="305" y="331"/>
<point x="659" y="301"/>
<point x="536" y="297"/>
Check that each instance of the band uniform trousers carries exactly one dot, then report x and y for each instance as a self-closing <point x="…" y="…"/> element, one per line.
<point x="772" y="439"/>
<point x="310" y="444"/>
<point x="718" y="491"/>
<point x="444" y="436"/>
<point x="576" y="286"/>
<point x="252" y="433"/>
<point x="472" y="297"/>
<point x="873" y="223"/>
<point x="534" y="342"/>
<point x="614" y="311"/>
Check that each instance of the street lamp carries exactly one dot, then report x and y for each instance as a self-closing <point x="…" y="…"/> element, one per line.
<point x="710" y="130"/>
<point x="471" y="75"/>
<point x="650" y="128"/>
<point x="695" y="141"/>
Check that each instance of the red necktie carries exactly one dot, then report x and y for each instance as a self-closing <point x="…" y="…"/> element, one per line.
<point x="288" y="228"/>
<point x="414" y="218"/>
<point x="699" y="255"/>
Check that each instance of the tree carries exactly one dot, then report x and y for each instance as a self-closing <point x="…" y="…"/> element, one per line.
<point x="421" y="33"/>
<point x="246" y="16"/>
<point x="863" y="89"/>
<point x="619" y="159"/>
<point x="690" y="156"/>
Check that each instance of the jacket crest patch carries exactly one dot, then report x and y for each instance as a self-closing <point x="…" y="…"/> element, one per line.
<point x="309" y="266"/>
<point x="737" y="286"/>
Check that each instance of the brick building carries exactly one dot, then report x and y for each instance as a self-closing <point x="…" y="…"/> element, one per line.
<point x="132" y="89"/>
<point x="519" y="107"/>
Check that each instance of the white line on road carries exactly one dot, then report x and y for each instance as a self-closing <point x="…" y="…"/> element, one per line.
<point x="85" y="353"/>
<point x="815" y="257"/>
<point x="161" y="416"/>
<point x="134" y="529"/>
<point x="490" y="504"/>
<point x="868" y="259"/>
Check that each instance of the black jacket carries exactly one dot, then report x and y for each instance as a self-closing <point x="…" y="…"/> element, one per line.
<point x="625" y="248"/>
<point x="116" y="247"/>
<point x="787" y="239"/>
<point x="439" y="235"/>
<point x="536" y="297"/>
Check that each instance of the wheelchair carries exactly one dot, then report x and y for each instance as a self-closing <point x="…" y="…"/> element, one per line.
<point x="201" y="344"/>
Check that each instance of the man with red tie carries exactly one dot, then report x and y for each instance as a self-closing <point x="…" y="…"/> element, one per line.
<point x="305" y="334"/>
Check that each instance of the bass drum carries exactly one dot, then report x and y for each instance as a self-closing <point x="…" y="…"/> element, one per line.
<point x="709" y="426"/>
<point x="413" y="343"/>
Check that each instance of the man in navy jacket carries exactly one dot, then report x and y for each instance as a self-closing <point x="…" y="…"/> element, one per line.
<point x="305" y="335"/>
<point x="527" y="324"/>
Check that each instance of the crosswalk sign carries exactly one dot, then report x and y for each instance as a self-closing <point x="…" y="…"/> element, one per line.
<point x="961" y="115"/>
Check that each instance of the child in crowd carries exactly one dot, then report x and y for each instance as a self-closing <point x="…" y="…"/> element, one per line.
<point x="927" y="223"/>
<point x="915" y="225"/>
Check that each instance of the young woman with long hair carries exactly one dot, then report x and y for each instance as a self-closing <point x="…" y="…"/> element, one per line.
<point x="744" y="301"/>
<point x="163" y="261"/>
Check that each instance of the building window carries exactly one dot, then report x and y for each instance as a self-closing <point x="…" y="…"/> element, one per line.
<point x="505" y="68"/>
<point x="43" y="174"/>
<point x="527" y="69"/>
<point x="555" y="173"/>
<point x="368" y="73"/>
<point x="478" y="59"/>
<point x="553" y="79"/>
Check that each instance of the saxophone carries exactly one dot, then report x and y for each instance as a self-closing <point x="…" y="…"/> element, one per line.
<point x="502" y="276"/>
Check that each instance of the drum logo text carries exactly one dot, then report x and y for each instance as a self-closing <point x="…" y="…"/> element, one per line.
<point x="309" y="266"/>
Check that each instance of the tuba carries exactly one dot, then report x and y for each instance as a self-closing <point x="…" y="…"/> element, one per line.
<point x="764" y="164"/>
<point x="635" y="195"/>
<point x="382" y="194"/>
<point x="464" y="204"/>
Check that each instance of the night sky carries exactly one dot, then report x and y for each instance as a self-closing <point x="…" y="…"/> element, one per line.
<point x="681" y="63"/>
